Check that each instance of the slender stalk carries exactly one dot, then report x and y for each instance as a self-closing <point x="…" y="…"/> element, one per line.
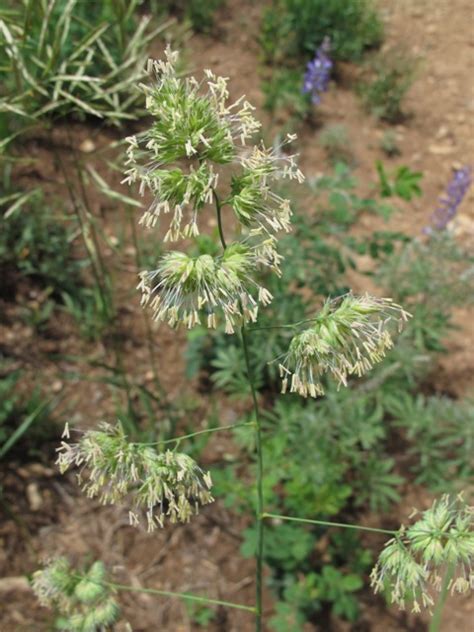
<point x="219" y="218"/>
<point x="326" y="523"/>
<point x="198" y="432"/>
<point x="286" y="326"/>
<point x="120" y="368"/>
<point x="258" y="444"/>
<point x="89" y="216"/>
<point x="168" y="593"/>
<point x="149" y="335"/>
<point x="77" y="211"/>
<point x="435" y="623"/>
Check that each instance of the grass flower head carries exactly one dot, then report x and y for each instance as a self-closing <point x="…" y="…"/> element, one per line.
<point x="185" y="289"/>
<point x="194" y="128"/>
<point x="83" y="601"/>
<point x="411" y="564"/>
<point x="255" y="203"/>
<point x="166" y="484"/>
<point x="347" y="337"/>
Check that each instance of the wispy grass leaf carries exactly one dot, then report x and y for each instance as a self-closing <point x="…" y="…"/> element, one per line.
<point x="111" y="193"/>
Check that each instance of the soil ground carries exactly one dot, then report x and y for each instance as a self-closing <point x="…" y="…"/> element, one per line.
<point x="203" y="557"/>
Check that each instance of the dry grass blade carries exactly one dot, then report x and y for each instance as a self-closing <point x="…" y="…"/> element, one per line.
<point x="111" y="193"/>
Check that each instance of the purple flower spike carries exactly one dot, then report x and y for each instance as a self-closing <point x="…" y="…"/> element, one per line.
<point x="316" y="79"/>
<point x="450" y="201"/>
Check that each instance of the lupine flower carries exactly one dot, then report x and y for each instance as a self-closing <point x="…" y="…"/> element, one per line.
<point x="254" y="202"/>
<point x="414" y="559"/>
<point x="183" y="289"/>
<point x="165" y="485"/>
<point x="347" y="337"/>
<point x="316" y="79"/>
<point x="450" y="201"/>
<point x="84" y="603"/>
<point x="193" y="124"/>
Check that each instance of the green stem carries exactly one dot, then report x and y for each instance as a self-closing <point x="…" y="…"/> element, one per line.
<point x="219" y="218"/>
<point x="149" y="335"/>
<point x="435" y="624"/>
<point x="89" y="216"/>
<point x="326" y="523"/>
<point x="198" y="432"/>
<point x="120" y="369"/>
<point x="287" y="326"/>
<point x="260" y="514"/>
<point x="258" y="443"/>
<point x="168" y="593"/>
<point x="82" y="225"/>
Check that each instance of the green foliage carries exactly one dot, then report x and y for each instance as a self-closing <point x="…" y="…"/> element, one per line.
<point x="389" y="79"/>
<point x="25" y="421"/>
<point x="230" y="374"/>
<point x="283" y="94"/>
<point x="200" y="13"/>
<point x="389" y="144"/>
<point x="430" y="278"/>
<point x="36" y="243"/>
<point x="199" y="614"/>
<point x="304" y="595"/>
<point x="335" y="141"/>
<point x="404" y="182"/>
<point x="339" y="431"/>
<point x="289" y="552"/>
<point x="440" y="432"/>
<point x="376" y="485"/>
<point x="89" y="311"/>
<point x="337" y="589"/>
<point x="340" y="205"/>
<point x="61" y="57"/>
<point x="292" y="30"/>
<point x="287" y="618"/>
<point x="295" y="28"/>
<point x="287" y="547"/>
<point x="335" y="456"/>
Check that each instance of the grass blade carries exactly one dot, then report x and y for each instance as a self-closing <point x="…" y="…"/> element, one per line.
<point x="23" y="427"/>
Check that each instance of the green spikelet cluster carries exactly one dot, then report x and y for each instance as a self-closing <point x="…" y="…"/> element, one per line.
<point x="413" y="562"/>
<point x="84" y="603"/>
<point x="347" y="337"/>
<point x="196" y="140"/>
<point x="166" y="484"/>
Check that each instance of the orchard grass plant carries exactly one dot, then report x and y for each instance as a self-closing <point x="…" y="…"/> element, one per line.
<point x="198" y="156"/>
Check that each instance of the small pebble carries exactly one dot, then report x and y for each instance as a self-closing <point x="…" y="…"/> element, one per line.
<point x="441" y="150"/>
<point x="87" y="146"/>
<point x="57" y="386"/>
<point x="34" y="497"/>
